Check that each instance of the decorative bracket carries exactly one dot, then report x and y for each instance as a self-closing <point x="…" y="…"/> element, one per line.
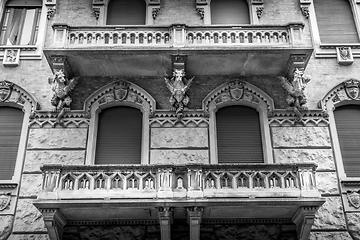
<point x="304" y="219"/>
<point x="155" y="11"/>
<point x="51" y="8"/>
<point x="96" y="11"/>
<point x="165" y="219"/>
<point x="54" y="222"/>
<point x="304" y="6"/>
<point x="259" y="11"/>
<point x="194" y="217"/>
<point x="58" y="63"/>
<point x="11" y="57"/>
<point x="201" y="12"/>
<point x="296" y="61"/>
<point x="344" y="56"/>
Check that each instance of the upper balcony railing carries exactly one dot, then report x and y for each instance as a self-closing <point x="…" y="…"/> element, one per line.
<point x="181" y="181"/>
<point x="178" y="36"/>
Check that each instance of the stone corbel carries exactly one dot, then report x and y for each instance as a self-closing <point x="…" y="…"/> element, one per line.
<point x="165" y="220"/>
<point x="304" y="219"/>
<point x="194" y="216"/>
<point x="304" y="6"/>
<point x="58" y="63"/>
<point x="11" y="57"/>
<point x="296" y="61"/>
<point x="344" y="56"/>
<point x="54" y="222"/>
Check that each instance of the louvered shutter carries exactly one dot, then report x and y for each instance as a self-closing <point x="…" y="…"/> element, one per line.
<point x="126" y="12"/>
<point x="239" y="135"/>
<point x="335" y="21"/>
<point x="229" y="12"/>
<point x="348" y="129"/>
<point x="119" y="136"/>
<point x="11" y="120"/>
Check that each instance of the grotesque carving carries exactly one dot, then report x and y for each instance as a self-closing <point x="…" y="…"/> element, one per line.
<point x="296" y="98"/>
<point x="61" y="87"/>
<point x="179" y="100"/>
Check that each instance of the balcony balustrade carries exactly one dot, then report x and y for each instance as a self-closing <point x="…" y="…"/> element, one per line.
<point x="177" y="36"/>
<point x="182" y="181"/>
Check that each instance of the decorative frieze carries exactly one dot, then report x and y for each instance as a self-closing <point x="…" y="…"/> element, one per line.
<point x="11" y="57"/>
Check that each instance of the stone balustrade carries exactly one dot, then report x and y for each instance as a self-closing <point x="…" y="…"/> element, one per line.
<point x="178" y="36"/>
<point x="178" y="181"/>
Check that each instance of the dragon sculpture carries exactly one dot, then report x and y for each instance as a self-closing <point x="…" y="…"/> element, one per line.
<point x="61" y="87"/>
<point x="296" y="98"/>
<point x="178" y="100"/>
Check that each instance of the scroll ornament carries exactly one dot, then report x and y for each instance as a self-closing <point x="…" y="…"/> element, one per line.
<point x="295" y="89"/>
<point x="61" y="87"/>
<point x="178" y="100"/>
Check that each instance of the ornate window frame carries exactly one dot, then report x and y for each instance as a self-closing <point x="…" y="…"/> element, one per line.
<point x="336" y="97"/>
<point x="28" y="52"/>
<point x="331" y="50"/>
<point x="119" y="93"/>
<point x="100" y="10"/>
<point x="255" y="10"/>
<point x="237" y="92"/>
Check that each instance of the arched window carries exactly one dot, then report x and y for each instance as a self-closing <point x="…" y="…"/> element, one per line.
<point x="126" y="12"/>
<point x="119" y="136"/>
<point x="239" y="135"/>
<point x="20" y="22"/>
<point x="348" y="131"/>
<point x="335" y="21"/>
<point x="229" y="12"/>
<point x="11" y="120"/>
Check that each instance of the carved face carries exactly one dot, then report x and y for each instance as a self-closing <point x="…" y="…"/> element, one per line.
<point x="179" y="73"/>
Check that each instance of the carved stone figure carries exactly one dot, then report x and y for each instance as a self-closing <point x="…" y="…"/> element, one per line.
<point x="296" y="98"/>
<point x="61" y="87"/>
<point x="179" y="100"/>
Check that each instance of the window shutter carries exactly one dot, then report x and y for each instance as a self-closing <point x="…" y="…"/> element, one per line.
<point x="239" y="135"/>
<point x="119" y="136"/>
<point x="335" y="21"/>
<point x="11" y="120"/>
<point x="229" y="12"/>
<point x="348" y="130"/>
<point x="126" y="12"/>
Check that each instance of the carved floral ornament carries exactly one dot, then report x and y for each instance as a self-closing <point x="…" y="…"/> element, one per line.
<point x="237" y="91"/>
<point x="348" y="90"/>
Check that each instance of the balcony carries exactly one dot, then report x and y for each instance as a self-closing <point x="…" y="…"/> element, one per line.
<point x="147" y="50"/>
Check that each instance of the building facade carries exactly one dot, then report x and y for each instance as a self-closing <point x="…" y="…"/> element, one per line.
<point x="179" y="119"/>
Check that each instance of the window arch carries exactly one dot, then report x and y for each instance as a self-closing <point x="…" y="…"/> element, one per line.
<point x="126" y="12"/>
<point x="119" y="136"/>
<point x="238" y="102"/>
<point x="335" y="21"/>
<point x="116" y="107"/>
<point x="20" y="22"/>
<point x="11" y="120"/>
<point x="238" y="135"/>
<point x="229" y="12"/>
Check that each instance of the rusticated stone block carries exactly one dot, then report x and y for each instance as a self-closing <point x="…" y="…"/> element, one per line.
<point x="300" y="137"/>
<point x="179" y="137"/>
<point x="327" y="182"/>
<point x="29" y="237"/>
<point x="6" y="223"/>
<point x="329" y="236"/>
<point x="330" y="215"/>
<point x="322" y="157"/>
<point x="35" y="159"/>
<point x="31" y="184"/>
<point x="57" y="138"/>
<point x="179" y="156"/>
<point x="353" y="220"/>
<point x="28" y="218"/>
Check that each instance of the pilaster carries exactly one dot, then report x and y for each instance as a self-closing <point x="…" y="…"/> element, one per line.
<point x="165" y="220"/>
<point x="304" y="219"/>
<point x="54" y="222"/>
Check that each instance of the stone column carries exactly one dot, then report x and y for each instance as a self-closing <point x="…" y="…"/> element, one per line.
<point x="54" y="222"/>
<point x="194" y="221"/>
<point x="165" y="219"/>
